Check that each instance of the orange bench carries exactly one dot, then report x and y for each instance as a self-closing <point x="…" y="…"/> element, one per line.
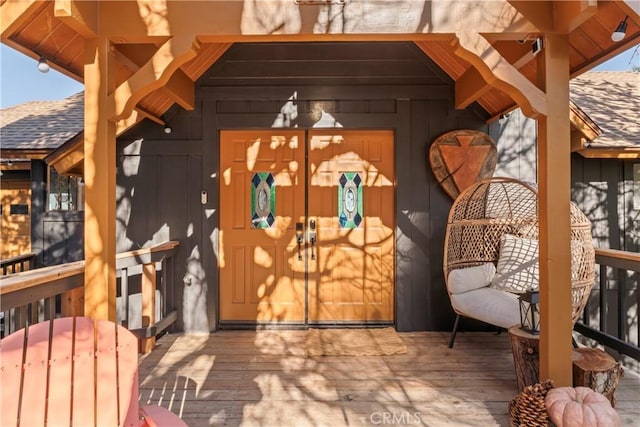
<point x="73" y="372"/>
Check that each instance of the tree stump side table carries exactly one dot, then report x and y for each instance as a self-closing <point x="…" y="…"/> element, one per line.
<point x="526" y="349"/>
<point x="597" y="370"/>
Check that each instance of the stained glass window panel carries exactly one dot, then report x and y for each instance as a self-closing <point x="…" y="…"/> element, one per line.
<point x="263" y="200"/>
<point x="350" y="200"/>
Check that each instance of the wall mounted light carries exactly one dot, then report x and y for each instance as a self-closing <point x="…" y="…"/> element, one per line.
<point x="620" y="31"/>
<point x="43" y="67"/>
<point x="536" y="46"/>
<point x="167" y="129"/>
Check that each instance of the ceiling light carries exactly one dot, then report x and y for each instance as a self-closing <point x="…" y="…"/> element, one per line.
<point x="43" y="67"/>
<point x="620" y="31"/>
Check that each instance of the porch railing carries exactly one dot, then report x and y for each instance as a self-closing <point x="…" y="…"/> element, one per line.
<point x="41" y="294"/>
<point x="618" y="268"/>
<point x="17" y="263"/>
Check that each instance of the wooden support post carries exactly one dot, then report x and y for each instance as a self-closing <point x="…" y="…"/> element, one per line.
<point x="526" y="349"/>
<point x="597" y="370"/>
<point x="99" y="177"/>
<point x="554" y="177"/>
<point x="148" y="304"/>
<point x="72" y="303"/>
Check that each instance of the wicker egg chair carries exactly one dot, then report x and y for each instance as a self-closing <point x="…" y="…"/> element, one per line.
<point x="478" y="221"/>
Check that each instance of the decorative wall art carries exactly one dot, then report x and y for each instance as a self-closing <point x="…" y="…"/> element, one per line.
<point x="263" y="200"/>
<point x="350" y="200"/>
<point x="462" y="157"/>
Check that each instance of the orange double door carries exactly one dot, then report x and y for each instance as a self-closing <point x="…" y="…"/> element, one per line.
<point x="306" y="226"/>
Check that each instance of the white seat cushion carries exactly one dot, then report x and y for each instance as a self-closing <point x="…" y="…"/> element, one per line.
<point x="468" y="279"/>
<point x="490" y="305"/>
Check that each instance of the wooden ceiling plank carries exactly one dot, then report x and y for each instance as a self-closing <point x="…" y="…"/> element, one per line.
<point x="57" y="37"/>
<point x="82" y="16"/>
<point x="154" y="74"/>
<point x="207" y="56"/>
<point x="14" y="15"/>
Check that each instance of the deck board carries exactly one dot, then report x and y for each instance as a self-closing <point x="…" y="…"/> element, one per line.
<point x="262" y="378"/>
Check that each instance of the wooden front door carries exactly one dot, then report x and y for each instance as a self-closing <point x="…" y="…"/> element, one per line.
<point x="339" y="204"/>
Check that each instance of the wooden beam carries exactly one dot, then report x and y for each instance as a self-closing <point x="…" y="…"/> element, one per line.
<point x="182" y="89"/>
<point x="469" y="88"/>
<point x="37" y="153"/>
<point x="81" y="16"/>
<point x="539" y="13"/>
<point x="559" y="16"/>
<point x="610" y="153"/>
<point x="154" y="74"/>
<point x="72" y="303"/>
<point x="569" y="15"/>
<point x="231" y="21"/>
<point x="70" y="161"/>
<point x="136" y="117"/>
<point x="577" y="140"/>
<point x="471" y="85"/>
<point x="497" y="72"/>
<point x="554" y="178"/>
<point x="583" y="123"/>
<point x="99" y="177"/>
<point x="148" y="292"/>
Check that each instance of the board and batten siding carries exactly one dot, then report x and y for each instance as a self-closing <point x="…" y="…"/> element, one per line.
<point x="161" y="178"/>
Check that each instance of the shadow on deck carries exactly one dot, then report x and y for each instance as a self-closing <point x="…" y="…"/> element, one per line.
<point x="262" y="378"/>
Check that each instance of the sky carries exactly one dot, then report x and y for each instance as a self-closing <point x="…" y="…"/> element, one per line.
<point x="20" y="80"/>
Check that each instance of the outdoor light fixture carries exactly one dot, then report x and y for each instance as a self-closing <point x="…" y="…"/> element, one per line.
<point x="620" y="31"/>
<point x="167" y="129"/>
<point x="43" y="67"/>
<point x="536" y="46"/>
<point x="530" y="312"/>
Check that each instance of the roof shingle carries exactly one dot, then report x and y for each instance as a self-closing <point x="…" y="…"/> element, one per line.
<point x="41" y="125"/>
<point x="612" y="100"/>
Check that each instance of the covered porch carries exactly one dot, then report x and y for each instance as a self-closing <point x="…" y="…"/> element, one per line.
<point x="138" y="59"/>
<point x="263" y="378"/>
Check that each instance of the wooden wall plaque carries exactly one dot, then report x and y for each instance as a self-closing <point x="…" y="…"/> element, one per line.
<point x="461" y="157"/>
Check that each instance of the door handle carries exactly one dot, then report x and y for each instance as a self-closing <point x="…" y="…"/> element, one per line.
<point x="299" y="238"/>
<point x="312" y="237"/>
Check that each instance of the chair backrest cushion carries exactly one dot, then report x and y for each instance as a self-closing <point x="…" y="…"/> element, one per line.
<point x="517" y="270"/>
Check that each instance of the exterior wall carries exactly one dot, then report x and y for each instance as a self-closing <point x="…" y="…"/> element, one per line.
<point x="57" y="237"/>
<point x="15" y="196"/>
<point x="604" y="189"/>
<point x="158" y="186"/>
<point x="516" y="136"/>
<point x="370" y="86"/>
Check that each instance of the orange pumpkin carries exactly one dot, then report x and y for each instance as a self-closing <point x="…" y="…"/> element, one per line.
<point x="580" y="407"/>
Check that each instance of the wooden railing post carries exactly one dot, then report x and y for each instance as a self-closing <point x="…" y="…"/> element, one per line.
<point x="148" y="304"/>
<point x="72" y="303"/>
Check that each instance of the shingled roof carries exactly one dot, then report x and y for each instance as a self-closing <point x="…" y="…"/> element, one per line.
<point x="41" y="125"/>
<point x="612" y="100"/>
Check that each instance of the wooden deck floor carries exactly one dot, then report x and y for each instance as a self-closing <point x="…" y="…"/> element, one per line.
<point x="263" y="378"/>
